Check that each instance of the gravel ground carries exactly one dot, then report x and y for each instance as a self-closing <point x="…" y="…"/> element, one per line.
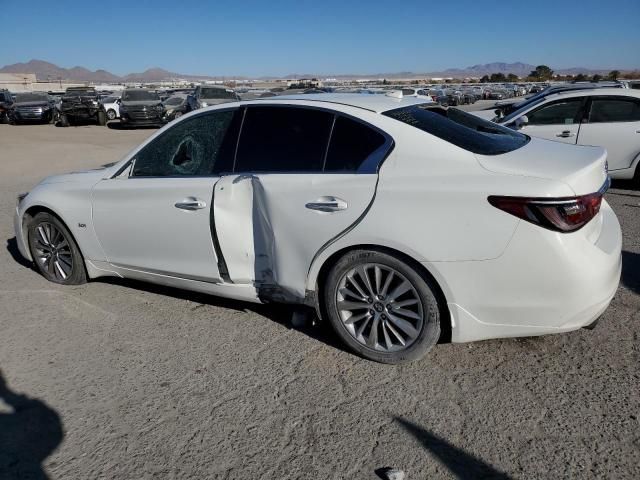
<point x="122" y="380"/>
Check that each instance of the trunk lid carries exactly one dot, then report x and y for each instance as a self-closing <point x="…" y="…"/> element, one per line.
<point x="583" y="168"/>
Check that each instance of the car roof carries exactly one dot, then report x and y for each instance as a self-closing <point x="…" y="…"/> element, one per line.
<point x="373" y="102"/>
<point x="624" y="92"/>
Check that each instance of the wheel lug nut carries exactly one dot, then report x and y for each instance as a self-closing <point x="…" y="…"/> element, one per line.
<point x="372" y="311"/>
<point x="369" y="300"/>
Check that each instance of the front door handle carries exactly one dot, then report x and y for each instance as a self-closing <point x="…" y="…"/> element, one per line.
<point x="566" y="134"/>
<point x="327" y="204"/>
<point x="191" y="203"/>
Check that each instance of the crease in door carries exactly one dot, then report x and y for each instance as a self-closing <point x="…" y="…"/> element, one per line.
<point x="222" y="264"/>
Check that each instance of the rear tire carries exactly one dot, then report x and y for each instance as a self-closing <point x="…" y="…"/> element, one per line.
<point x="391" y="317"/>
<point x="64" y="120"/>
<point x="54" y="250"/>
<point x="111" y="114"/>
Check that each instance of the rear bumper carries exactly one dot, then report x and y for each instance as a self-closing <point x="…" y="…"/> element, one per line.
<point x="545" y="282"/>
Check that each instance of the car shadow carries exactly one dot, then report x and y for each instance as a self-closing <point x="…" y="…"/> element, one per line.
<point x="631" y="271"/>
<point x="29" y="432"/>
<point x="279" y="313"/>
<point x="118" y="125"/>
<point x="625" y="185"/>
<point x="12" y="248"/>
<point x="461" y="464"/>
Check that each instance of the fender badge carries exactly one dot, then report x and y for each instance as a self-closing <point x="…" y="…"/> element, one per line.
<point x="82" y="225"/>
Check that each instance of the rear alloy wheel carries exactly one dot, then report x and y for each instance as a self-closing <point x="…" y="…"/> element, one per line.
<point x="111" y="114"/>
<point x="54" y="250"/>
<point x="381" y="307"/>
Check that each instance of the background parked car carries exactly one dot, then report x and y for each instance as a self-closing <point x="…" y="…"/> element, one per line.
<point x="205" y="96"/>
<point x="140" y="106"/>
<point x="32" y="107"/>
<point x="6" y="100"/>
<point x="418" y="92"/>
<point x="604" y="117"/>
<point x="175" y="106"/>
<point x="80" y="105"/>
<point x="111" y="106"/>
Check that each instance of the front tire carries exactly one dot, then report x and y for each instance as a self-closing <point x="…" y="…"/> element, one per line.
<point x="54" y="250"/>
<point x="382" y="308"/>
<point x="102" y="118"/>
<point x="63" y="120"/>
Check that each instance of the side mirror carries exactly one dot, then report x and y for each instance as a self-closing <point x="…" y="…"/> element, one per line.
<point x="521" y="122"/>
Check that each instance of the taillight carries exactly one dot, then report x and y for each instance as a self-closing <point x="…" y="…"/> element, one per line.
<point x="559" y="214"/>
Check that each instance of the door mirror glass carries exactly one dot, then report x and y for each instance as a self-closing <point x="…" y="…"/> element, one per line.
<point x="521" y="122"/>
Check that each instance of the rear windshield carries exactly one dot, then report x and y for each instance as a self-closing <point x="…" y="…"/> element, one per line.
<point x="217" y="93"/>
<point x="139" y="95"/>
<point x="461" y="129"/>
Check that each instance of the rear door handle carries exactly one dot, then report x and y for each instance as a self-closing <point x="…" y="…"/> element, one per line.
<point x="191" y="203"/>
<point x="327" y="204"/>
<point x="566" y="134"/>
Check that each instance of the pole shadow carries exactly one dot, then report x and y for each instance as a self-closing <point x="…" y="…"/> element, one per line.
<point x="28" y="435"/>
<point x="631" y="271"/>
<point x="461" y="464"/>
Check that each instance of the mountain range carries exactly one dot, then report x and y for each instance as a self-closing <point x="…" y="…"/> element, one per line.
<point x="46" y="71"/>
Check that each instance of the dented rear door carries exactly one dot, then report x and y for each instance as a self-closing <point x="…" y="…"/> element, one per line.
<point x="302" y="178"/>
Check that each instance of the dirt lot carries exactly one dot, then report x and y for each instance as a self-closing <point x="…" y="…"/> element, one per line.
<point x="127" y="380"/>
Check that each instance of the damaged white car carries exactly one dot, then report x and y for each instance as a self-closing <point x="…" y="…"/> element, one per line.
<point x="401" y="222"/>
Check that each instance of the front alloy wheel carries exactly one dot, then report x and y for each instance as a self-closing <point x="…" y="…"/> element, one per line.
<point x="54" y="250"/>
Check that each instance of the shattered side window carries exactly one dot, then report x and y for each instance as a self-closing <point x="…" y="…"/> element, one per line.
<point x="194" y="147"/>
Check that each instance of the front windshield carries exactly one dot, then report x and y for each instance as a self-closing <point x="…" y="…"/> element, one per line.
<point x="139" y="96"/>
<point x="217" y="93"/>
<point x="174" y="101"/>
<point x="32" y="97"/>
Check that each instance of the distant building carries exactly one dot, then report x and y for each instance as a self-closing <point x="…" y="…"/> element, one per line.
<point x="17" y="82"/>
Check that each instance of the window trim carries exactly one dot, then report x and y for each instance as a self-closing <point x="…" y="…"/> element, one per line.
<point x="371" y="165"/>
<point x="587" y="112"/>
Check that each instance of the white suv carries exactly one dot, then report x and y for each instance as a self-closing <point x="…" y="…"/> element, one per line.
<point x="606" y="117"/>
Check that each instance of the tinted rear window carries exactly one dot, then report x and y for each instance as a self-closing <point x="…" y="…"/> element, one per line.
<point x="351" y="144"/>
<point x="461" y="129"/>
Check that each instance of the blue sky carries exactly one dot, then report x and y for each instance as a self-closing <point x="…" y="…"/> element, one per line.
<point x="282" y="37"/>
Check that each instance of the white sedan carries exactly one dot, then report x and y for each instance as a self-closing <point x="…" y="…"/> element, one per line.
<point x="606" y="117"/>
<point x="111" y="107"/>
<point x="401" y="222"/>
